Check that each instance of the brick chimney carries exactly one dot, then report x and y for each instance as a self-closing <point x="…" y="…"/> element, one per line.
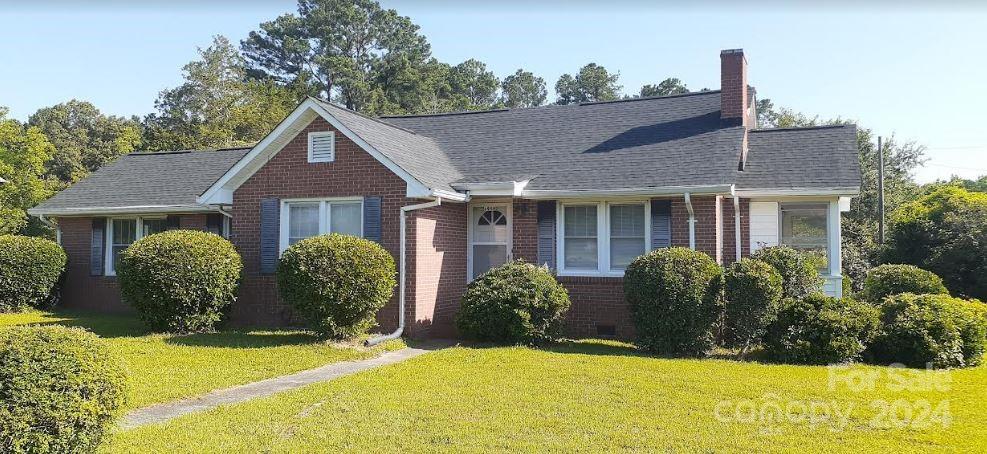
<point x="733" y="89"/>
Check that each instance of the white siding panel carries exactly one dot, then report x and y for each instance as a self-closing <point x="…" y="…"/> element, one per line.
<point x="764" y="224"/>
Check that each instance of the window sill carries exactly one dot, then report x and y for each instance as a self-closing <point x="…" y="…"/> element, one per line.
<point x="590" y="274"/>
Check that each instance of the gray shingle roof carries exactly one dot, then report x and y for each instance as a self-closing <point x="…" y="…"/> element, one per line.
<point x="416" y="154"/>
<point x="147" y="179"/>
<point x="660" y="142"/>
<point x="651" y="142"/>
<point x="795" y="158"/>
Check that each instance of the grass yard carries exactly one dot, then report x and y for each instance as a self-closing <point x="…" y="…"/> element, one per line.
<point x="589" y="396"/>
<point x="163" y="367"/>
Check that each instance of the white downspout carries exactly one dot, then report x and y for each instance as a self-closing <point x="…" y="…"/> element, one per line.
<point x="401" y="274"/>
<point x="52" y="225"/>
<point x="692" y="222"/>
<point x="736" y="225"/>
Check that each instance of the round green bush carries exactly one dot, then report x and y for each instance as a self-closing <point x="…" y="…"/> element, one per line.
<point x="180" y="281"/>
<point x="337" y="282"/>
<point x="936" y="330"/>
<point x="887" y="280"/>
<point x="675" y="295"/>
<point x="29" y="269"/>
<point x="59" y="388"/>
<point x="517" y="303"/>
<point x="799" y="273"/>
<point x="821" y="330"/>
<point x="752" y="292"/>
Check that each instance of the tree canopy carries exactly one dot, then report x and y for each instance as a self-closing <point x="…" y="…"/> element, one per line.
<point x="669" y="86"/>
<point x="349" y="51"/>
<point x="523" y="89"/>
<point x="24" y="150"/>
<point x="218" y="105"/>
<point x="592" y="83"/>
<point x="944" y="231"/>
<point x="83" y="138"/>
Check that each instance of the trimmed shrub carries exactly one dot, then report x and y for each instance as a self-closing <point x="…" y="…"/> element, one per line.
<point x="821" y="330"/>
<point x="337" y="282"/>
<point x="752" y="292"/>
<point x="675" y="296"/>
<point x="799" y="273"/>
<point x="60" y="389"/>
<point x="29" y="269"/>
<point x="887" y="280"/>
<point x="930" y="329"/>
<point x="180" y="281"/>
<point x="517" y="303"/>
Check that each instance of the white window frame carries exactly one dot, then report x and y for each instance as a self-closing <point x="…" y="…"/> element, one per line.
<point x="325" y="214"/>
<point x="311" y="139"/>
<point x="108" y="254"/>
<point x="602" y="238"/>
<point x="508" y="208"/>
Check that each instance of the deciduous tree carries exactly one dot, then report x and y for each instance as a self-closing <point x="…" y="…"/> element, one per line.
<point x="592" y="83"/>
<point x="23" y="153"/>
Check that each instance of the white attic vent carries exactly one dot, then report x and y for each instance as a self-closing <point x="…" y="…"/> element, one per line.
<point x="321" y="146"/>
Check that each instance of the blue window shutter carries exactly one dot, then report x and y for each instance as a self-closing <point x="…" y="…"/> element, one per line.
<point x="98" y="247"/>
<point x="270" y="235"/>
<point x="173" y="222"/>
<point x="214" y="223"/>
<point x="546" y="233"/>
<point x="661" y="224"/>
<point x="371" y="218"/>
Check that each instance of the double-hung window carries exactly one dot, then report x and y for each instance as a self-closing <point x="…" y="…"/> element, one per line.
<point x="804" y="227"/>
<point x="124" y="232"/>
<point x="302" y="219"/>
<point x="602" y="238"/>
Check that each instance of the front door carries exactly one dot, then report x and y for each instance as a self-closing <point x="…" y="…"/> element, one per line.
<point x="490" y="237"/>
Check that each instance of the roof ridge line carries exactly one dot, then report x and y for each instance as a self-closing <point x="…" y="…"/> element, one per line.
<point x="201" y="150"/>
<point x="446" y="114"/>
<point x="378" y="120"/>
<point x="648" y="98"/>
<point x="801" y="128"/>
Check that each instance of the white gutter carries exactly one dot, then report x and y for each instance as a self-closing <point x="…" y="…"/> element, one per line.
<point x="736" y="225"/>
<point x="628" y="192"/>
<point x="692" y="222"/>
<point x="120" y="210"/>
<point x="401" y="274"/>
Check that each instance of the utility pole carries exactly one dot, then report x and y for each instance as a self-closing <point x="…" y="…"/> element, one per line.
<point x="880" y="191"/>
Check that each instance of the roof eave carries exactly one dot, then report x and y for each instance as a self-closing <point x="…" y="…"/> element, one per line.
<point x="835" y="191"/>
<point x="112" y="211"/>
<point x="722" y="189"/>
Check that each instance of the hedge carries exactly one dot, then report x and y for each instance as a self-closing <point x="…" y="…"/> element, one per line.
<point x="29" y="269"/>
<point x="517" y="303"/>
<point x="821" y="330"/>
<point x="799" y="273"/>
<point x="337" y="282"/>
<point x="180" y="281"/>
<point x="887" y="280"/>
<point x="752" y="293"/>
<point x="936" y="330"/>
<point x="60" y="389"/>
<point x="675" y="295"/>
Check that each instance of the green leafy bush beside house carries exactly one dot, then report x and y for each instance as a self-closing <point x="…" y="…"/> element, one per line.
<point x="29" y="269"/>
<point x="181" y="280"/>
<point x="517" y="303"/>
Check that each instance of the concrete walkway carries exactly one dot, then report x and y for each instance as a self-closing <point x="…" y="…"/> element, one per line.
<point x="163" y="412"/>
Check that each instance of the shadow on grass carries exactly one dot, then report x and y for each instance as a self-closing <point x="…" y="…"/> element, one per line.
<point x="103" y="325"/>
<point x="245" y="339"/>
<point x="604" y="347"/>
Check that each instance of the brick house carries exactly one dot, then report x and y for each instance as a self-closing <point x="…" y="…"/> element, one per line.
<point x="582" y="189"/>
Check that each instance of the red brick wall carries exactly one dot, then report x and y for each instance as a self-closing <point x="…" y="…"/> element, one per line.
<point x="289" y="175"/>
<point x="436" y="269"/>
<point x="729" y="232"/>
<point x="97" y="293"/>
<point x="599" y="301"/>
<point x="705" y="211"/>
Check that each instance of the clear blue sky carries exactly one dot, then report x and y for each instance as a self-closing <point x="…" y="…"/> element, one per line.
<point x="920" y="74"/>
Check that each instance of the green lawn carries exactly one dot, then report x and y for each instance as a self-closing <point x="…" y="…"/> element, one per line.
<point x="590" y="396"/>
<point x="164" y="367"/>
